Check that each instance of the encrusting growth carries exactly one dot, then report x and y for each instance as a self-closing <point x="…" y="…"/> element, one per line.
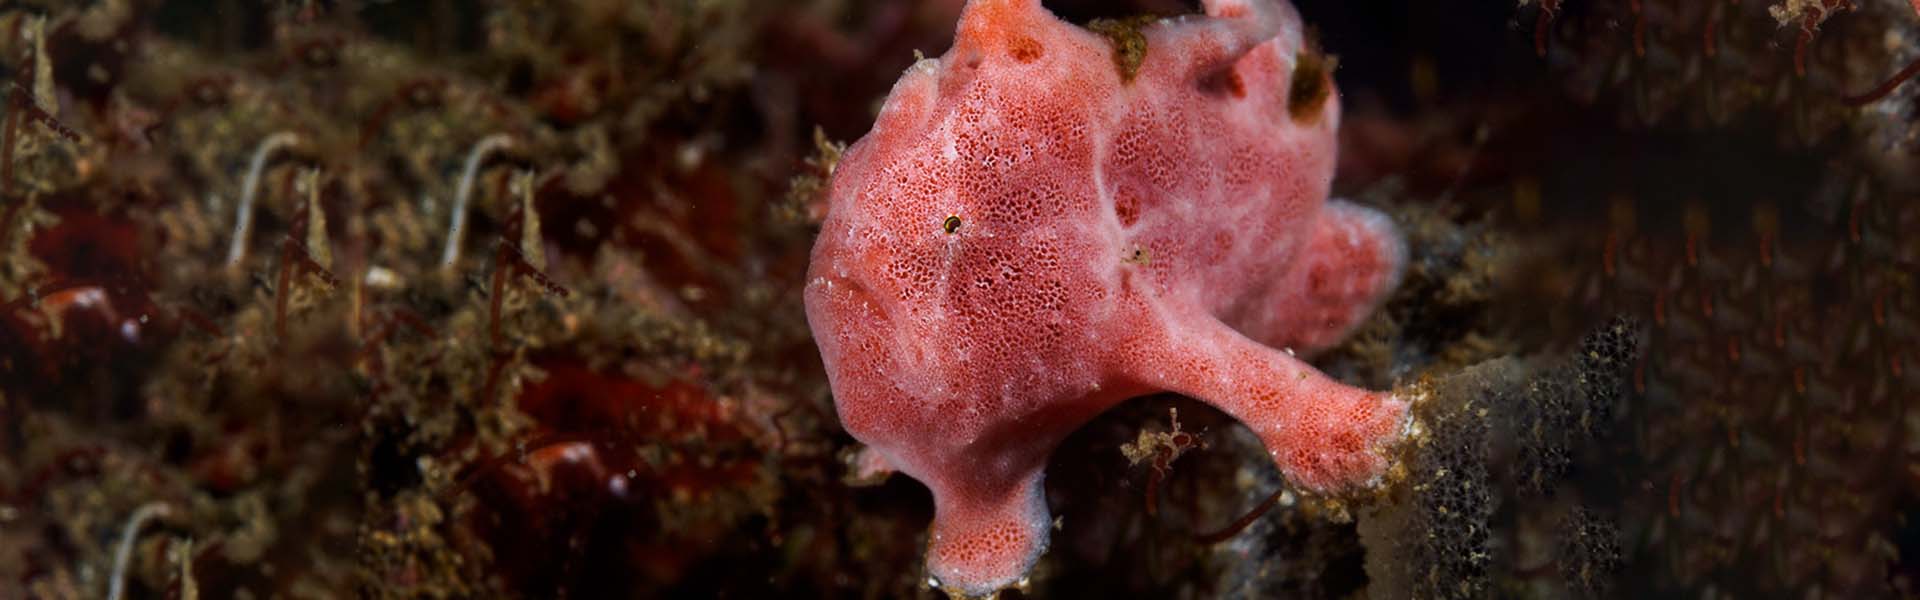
<point x="1029" y="236"/>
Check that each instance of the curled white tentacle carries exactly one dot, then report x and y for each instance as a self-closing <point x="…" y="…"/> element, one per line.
<point x="457" y="222"/>
<point x="117" y="585"/>
<point x="243" y="215"/>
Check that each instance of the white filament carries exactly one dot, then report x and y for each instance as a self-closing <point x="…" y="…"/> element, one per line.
<point x="243" y="217"/>
<point x="457" y="223"/>
<point x="117" y="587"/>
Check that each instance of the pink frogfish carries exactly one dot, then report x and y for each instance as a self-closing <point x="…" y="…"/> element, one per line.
<point x="1049" y="220"/>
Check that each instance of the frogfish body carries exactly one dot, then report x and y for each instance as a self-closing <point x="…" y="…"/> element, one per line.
<point x="1049" y="220"/>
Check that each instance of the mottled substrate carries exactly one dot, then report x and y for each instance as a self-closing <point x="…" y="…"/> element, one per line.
<point x="1773" y="403"/>
<point x="1777" y="391"/>
<point x="1494" y="444"/>
<point x="1716" y="63"/>
<point x="603" y="387"/>
<point x="1749" y="454"/>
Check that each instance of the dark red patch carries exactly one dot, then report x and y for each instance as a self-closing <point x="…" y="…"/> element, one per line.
<point x="1025" y="49"/>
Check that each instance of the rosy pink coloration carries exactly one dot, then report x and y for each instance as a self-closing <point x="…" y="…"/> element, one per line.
<point x="1026" y="238"/>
